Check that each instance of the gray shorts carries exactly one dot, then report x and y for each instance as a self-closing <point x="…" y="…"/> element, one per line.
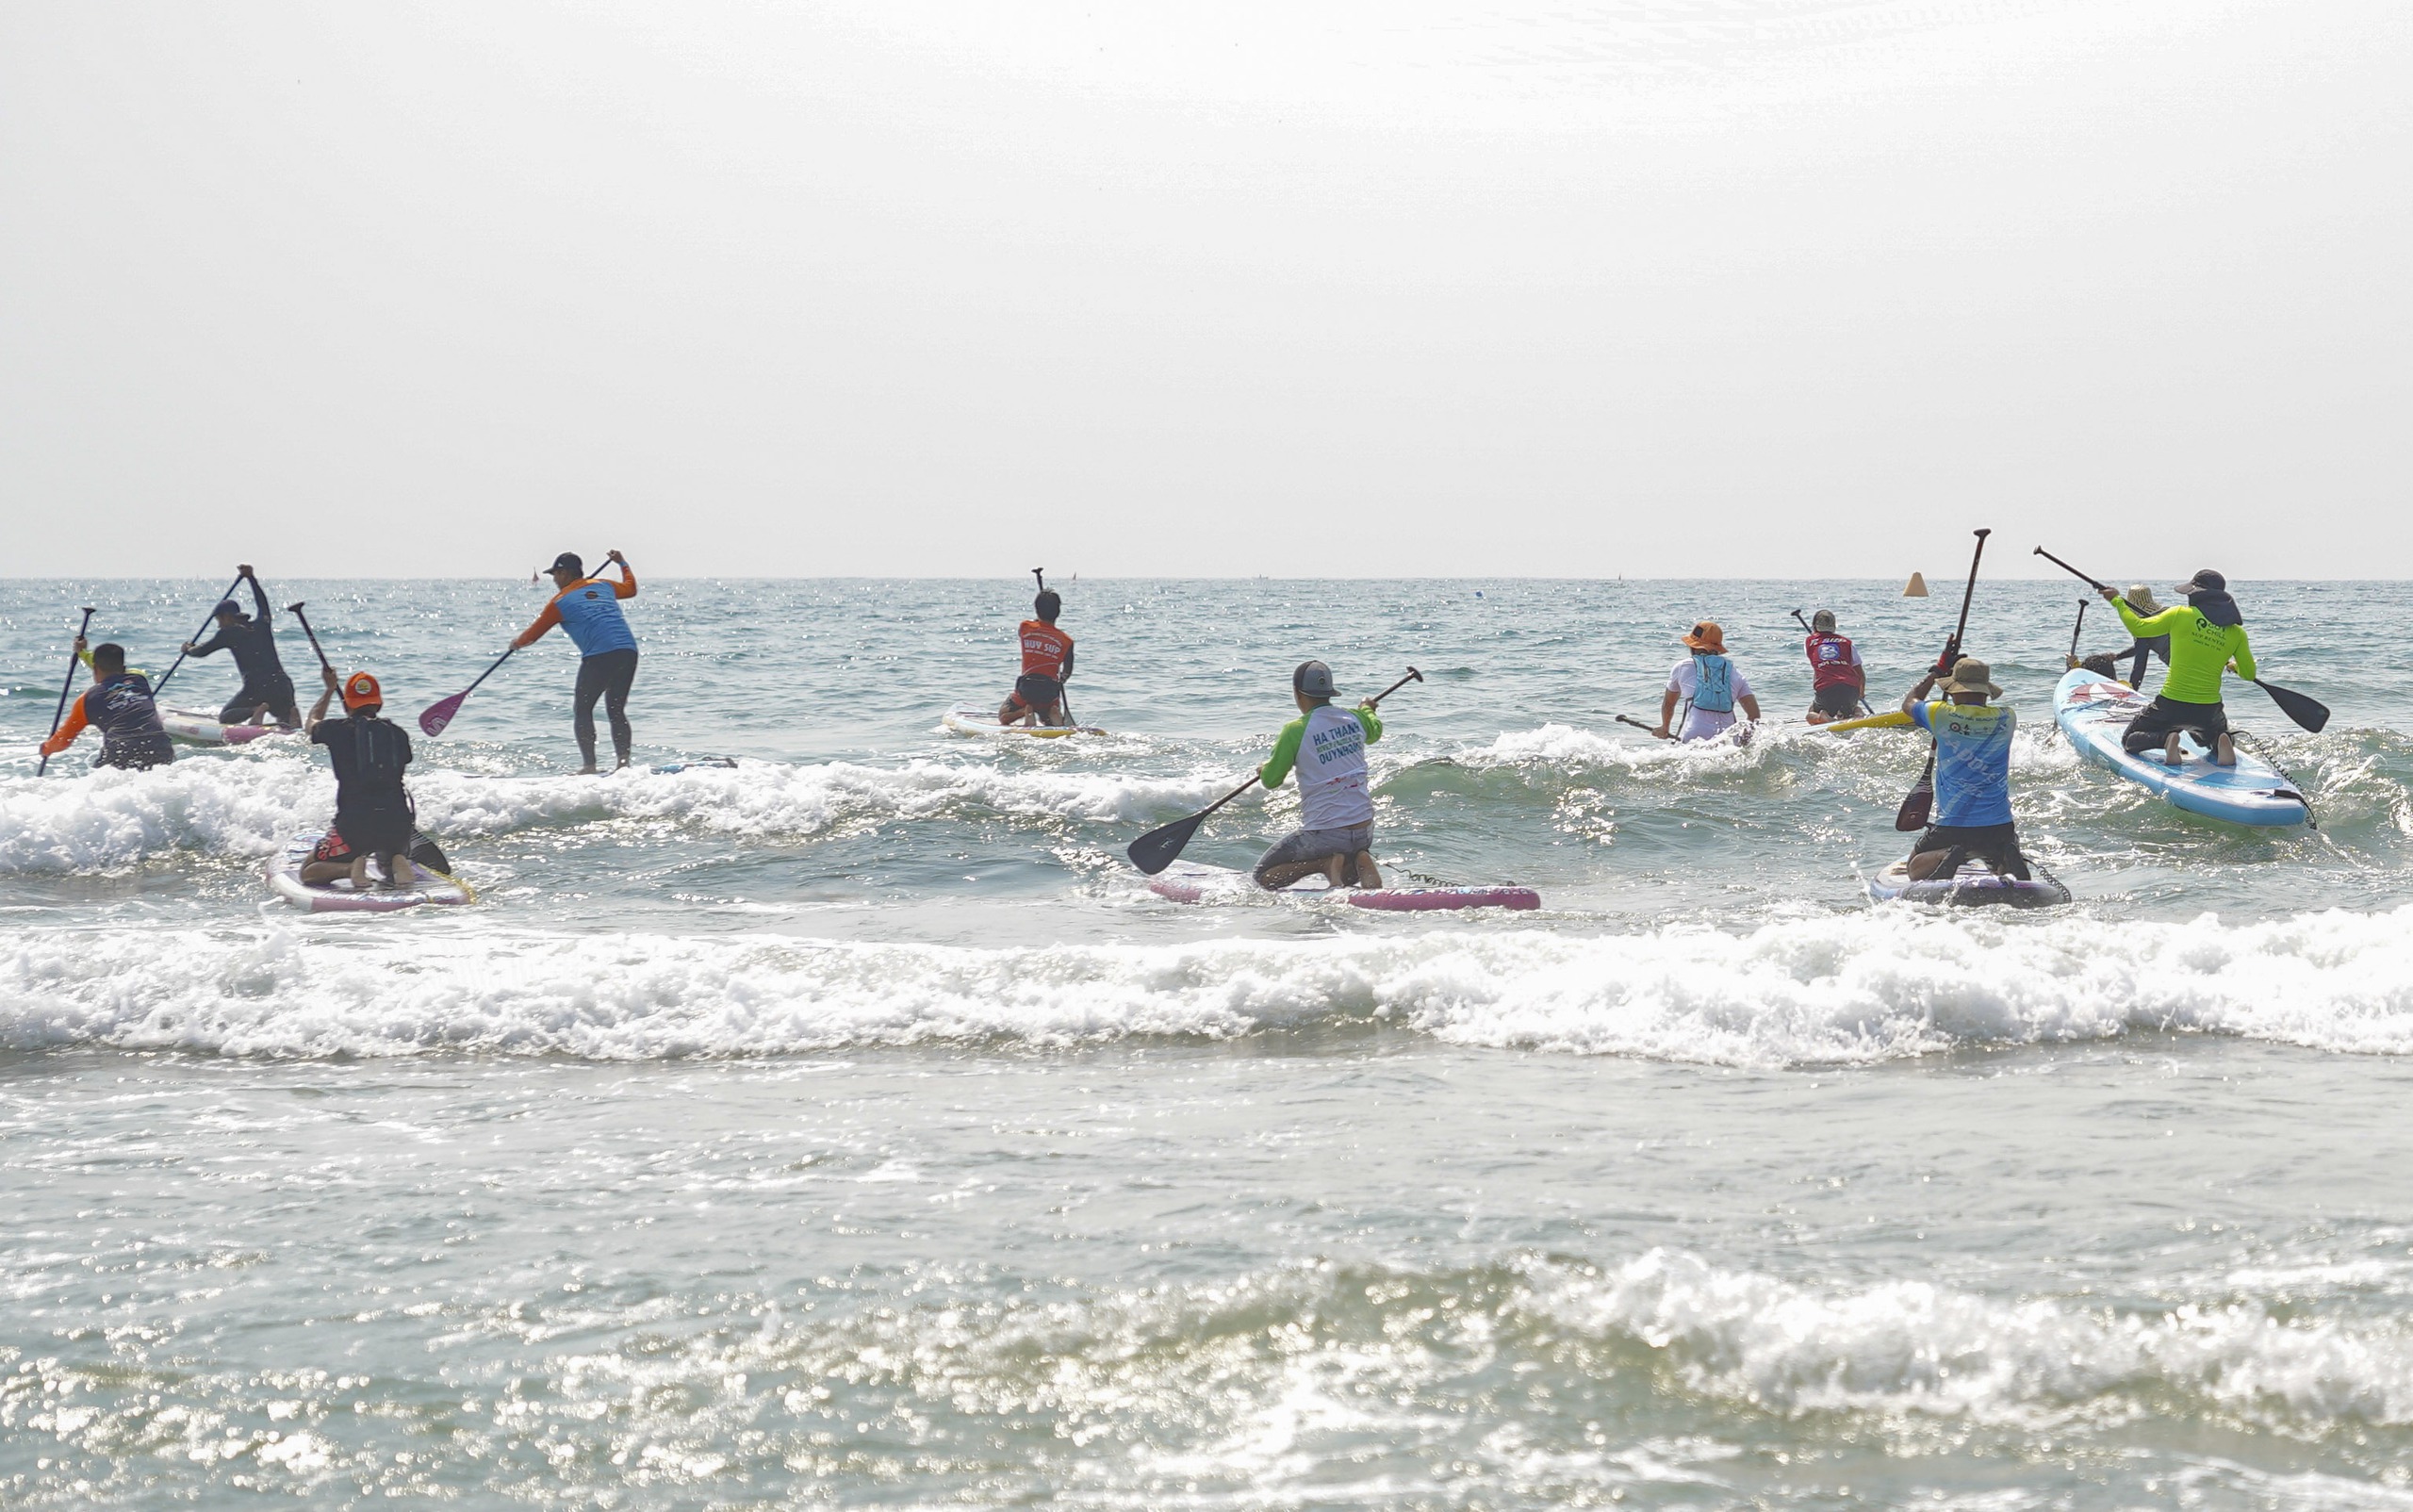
<point x="1302" y="846"/>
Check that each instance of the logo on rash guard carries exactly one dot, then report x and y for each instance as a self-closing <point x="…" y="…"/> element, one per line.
<point x="1337" y="743"/>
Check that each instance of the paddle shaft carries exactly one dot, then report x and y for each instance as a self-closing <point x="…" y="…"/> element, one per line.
<point x="295" y="610"/>
<point x="2079" y="628"/>
<point x="66" y="690"/>
<point x="161" y="685"/>
<point x="1413" y="675"/>
<point x="488" y="673"/>
<point x="1969" y="590"/>
<point x="1652" y="730"/>
<point x="2097" y="584"/>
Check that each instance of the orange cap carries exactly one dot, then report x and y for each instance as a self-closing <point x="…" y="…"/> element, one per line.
<point x="360" y="691"/>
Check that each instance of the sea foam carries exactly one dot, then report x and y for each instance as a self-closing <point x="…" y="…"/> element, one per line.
<point x="1847" y="989"/>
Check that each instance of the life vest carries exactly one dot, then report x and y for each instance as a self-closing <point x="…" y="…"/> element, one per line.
<point x="1712" y="684"/>
<point x="1830" y="663"/>
<point x="1043" y="649"/>
<point x="120" y="707"/>
<point x="1332" y="771"/>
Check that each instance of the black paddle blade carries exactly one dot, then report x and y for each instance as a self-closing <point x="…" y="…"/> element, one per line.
<point x="426" y="853"/>
<point x="1913" y="812"/>
<point x="2309" y="713"/>
<point x="1156" y="849"/>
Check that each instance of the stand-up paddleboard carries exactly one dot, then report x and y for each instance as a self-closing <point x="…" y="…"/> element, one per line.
<point x="1190" y="881"/>
<point x="2094" y="711"/>
<point x="1975" y="885"/>
<point x="699" y="764"/>
<point x="428" y="885"/>
<point x="1896" y="719"/>
<point x="981" y="722"/>
<point x="195" y="727"/>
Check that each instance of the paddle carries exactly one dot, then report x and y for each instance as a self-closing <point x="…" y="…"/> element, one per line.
<point x="2078" y="629"/>
<point x="1156" y="849"/>
<point x="295" y="610"/>
<point x="1063" y="701"/>
<point x="161" y="685"/>
<point x="67" y="688"/>
<point x="1650" y="730"/>
<point x="1920" y="802"/>
<point x="2308" y="712"/>
<point x="432" y="718"/>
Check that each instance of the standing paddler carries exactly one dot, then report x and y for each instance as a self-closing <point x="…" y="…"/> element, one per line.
<point x="2207" y="638"/>
<point x="588" y="611"/>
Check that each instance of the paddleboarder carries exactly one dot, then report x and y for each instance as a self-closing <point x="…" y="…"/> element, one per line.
<point x="2207" y="638"/>
<point x="1710" y="686"/>
<point x="1037" y="698"/>
<point x="588" y="611"/>
<point x="253" y="641"/>
<point x="118" y="704"/>
<point x="2140" y="649"/>
<point x="1971" y="816"/>
<point x="1838" y="682"/>
<point x="1327" y="747"/>
<point x="374" y="811"/>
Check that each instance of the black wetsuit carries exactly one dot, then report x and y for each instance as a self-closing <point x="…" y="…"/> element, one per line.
<point x="254" y="643"/>
<point x="373" y="813"/>
<point x="120" y="707"/>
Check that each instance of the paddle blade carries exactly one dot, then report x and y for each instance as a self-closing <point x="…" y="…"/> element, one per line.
<point x="1920" y="802"/>
<point x="428" y="854"/>
<point x="2309" y="713"/>
<point x="432" y="718"/>
<point x="1155" y="850"/>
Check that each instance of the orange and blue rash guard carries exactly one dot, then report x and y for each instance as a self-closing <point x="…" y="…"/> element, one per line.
<point x="120" y="707"/>
<point x="1046" y="651"/>
<point x="589" y="612"/>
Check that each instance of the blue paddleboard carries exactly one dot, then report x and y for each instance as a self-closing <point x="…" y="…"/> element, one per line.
<point x="2093" y="712"/>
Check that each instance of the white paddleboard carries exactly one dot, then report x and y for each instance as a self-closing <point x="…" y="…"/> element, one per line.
<point x="2094" y="711"/>
<point x="193" y="727"/>
<point x="1192" y="881"/>
<point x="284" y="883"/>
<point x="984" y="723"/>
<point x="1975" y="885"/>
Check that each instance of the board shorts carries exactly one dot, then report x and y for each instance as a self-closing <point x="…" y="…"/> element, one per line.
<point x="1841" y="700"/>
<point x="1996" y="845"/>
<point x="1303" y="845"/>
<point x="1036" y="692"/>
<point x="276" y="693"/>
<point x="2156" y="721"/>
<point x="368" y="831"/>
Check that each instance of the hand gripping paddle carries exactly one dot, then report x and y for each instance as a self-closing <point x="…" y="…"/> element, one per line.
<point x="1158" y="850"/>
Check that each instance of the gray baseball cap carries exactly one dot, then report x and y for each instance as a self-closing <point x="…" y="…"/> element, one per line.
<point x="1313" y="679"/>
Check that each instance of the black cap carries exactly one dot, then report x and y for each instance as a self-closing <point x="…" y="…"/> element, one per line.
<point x="2207" y="580"/>
<point x="569" y="562"/>
<point x="226" y="606"/>
<point x="1313" y="679"/>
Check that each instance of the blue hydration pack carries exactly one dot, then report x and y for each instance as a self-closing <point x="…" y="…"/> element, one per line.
<point x="1712" y="684"/>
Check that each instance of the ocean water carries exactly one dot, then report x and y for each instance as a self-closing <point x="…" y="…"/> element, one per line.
<point x="851" y="1126"/>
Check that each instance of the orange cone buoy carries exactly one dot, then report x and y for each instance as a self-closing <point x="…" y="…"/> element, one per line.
<point x="1918" y="587"/>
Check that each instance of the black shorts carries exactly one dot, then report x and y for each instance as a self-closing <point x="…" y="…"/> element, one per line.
<point x="2160" y="718"/>
<point x="1997" y="844"/>
<point x="374" y="831"/>
<point x="1841" y="701"/>
<point x="1036" y="692"/>
<point x="136" y="753"/>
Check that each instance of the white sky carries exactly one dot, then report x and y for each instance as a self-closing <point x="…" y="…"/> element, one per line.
<point x="1782" y="287"/>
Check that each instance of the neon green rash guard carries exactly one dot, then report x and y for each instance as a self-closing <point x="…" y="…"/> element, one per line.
<point x="2200" y="651"/>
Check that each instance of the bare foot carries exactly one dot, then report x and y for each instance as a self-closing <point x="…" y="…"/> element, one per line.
<point x="2170" y="756"/>
<point x="1336" y="871"/>
<point x="2224" y="750"/>
<point x="1367" y="875"/>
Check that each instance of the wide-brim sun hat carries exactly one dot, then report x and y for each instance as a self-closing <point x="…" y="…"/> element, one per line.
<point x="2140" y="598"/>
<point x="1969" y="675"/>
<point x="1706" y="636"/>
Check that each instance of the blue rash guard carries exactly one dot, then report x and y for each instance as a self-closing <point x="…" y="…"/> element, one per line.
<point x="1971" y="761"/>
<point x="589" y="612"/>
